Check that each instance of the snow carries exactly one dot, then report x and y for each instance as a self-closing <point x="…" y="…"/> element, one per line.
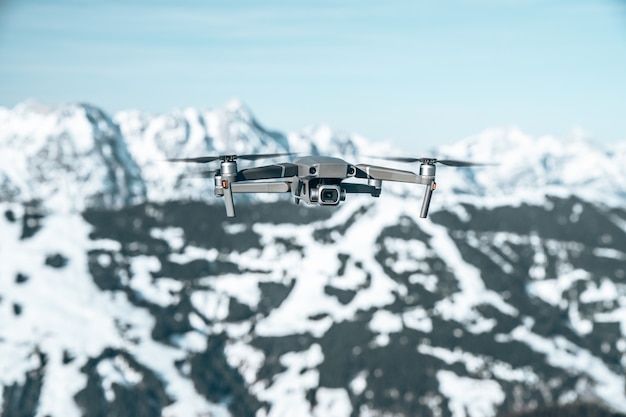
<point x="460" y="306"/>
<point x="359" y="383"/>
<point x="212" y="305"/>
<point x="63" y="310"/>
<point x="187" y="402"/>
<point x="70" y="312"/>
<point x="117" y="371"/>
<point x="57" y="154"/>
<point x="561" y="353"/>
<point x="581" y="325"/>
<point x="618" y="315"/>
<point x="174" y="236"/>
<point x="159" y="291"/>
<point x="610" y="253"/>
<point x="551" y="290"/>
<point x="473" y="363"/>
<point x="69" y="157"/>
<point x="607" y="291"/>
<point x="192" y="252"/>
<point x="530" y="167"/>
<point x="288" y="390"/>
<point x="470" y="397"/>
<point x="429" y="282"/>
<point x="193" y="341"/>
<point x="308" y="297"/>
<point x="332" y="402"/>
<point x="385" y="322"/>
<point x="485" y="248"/>
<point x="418" y="319"/>
<point x="409" y="253"/>
<point x="246" y="359"/>
<point x="527" y="162"/>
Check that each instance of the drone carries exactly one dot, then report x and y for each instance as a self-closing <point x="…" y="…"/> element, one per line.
<point x="316" y="179"/>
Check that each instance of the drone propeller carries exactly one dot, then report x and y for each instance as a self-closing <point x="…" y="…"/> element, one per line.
<point x="432" y="161"/>
<point x="199" y="160"/>
<point x="254" y="157"/>
<point x="249" y="157"/>
<point x="203" y="174"/>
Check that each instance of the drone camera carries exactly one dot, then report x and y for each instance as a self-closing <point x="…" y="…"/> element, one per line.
<point x="330" y="195"/>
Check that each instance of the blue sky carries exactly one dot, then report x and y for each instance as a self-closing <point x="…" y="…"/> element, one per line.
<point x="418" y="73"/>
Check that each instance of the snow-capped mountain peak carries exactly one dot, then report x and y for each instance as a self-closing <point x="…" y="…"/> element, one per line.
<point x="237" y="108"/>
<point x="545" y="164"/>
<point x="76" y="153"/>
<point x="69" y="156"/>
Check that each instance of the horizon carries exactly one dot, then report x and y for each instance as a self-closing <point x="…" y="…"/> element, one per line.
<point x="416" y="75"/>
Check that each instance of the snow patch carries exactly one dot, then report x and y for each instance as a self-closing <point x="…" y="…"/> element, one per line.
<point x="117" y="371"/>
<point x="469" y="397"/>
<point x="332" y="402"/>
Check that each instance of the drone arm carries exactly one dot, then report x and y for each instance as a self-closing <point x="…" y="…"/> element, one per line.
<point x="396" y="175"/>
<point x="261" y="187"/>
<point x="226" y="189"/>
<point x="390" y="174"/>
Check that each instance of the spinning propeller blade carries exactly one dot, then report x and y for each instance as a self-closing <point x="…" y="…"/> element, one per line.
<point x="449" y="162"/>
<point x="455" y="163"/>
<point x="199" y="160"/>
<point x="254" y="157"/>
<point x="202" y="174"/>
<point x="249" y="157"/>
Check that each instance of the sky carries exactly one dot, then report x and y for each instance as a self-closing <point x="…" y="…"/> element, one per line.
<point x="417" y="73"/>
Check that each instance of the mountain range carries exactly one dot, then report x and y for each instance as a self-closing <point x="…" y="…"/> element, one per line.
<point x="125" y="290"/>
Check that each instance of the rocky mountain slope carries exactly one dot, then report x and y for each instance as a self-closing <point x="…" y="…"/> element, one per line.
<point x="125" y="293"/>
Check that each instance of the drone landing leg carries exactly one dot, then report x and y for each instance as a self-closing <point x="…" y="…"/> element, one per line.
<point x="427" y="195"/>
<point x="228" y="199"/>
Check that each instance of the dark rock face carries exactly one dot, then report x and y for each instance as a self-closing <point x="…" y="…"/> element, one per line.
<point x="504" y="300"/>
<point x="56" y="261"/>
<point x="142" y="395"/>
<point x="216" y="380"/>
<point x="571" y="410"/>
<point x="566" y="243"/>
<point x="31" y="219"/>
<point x="21" y="400"/>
